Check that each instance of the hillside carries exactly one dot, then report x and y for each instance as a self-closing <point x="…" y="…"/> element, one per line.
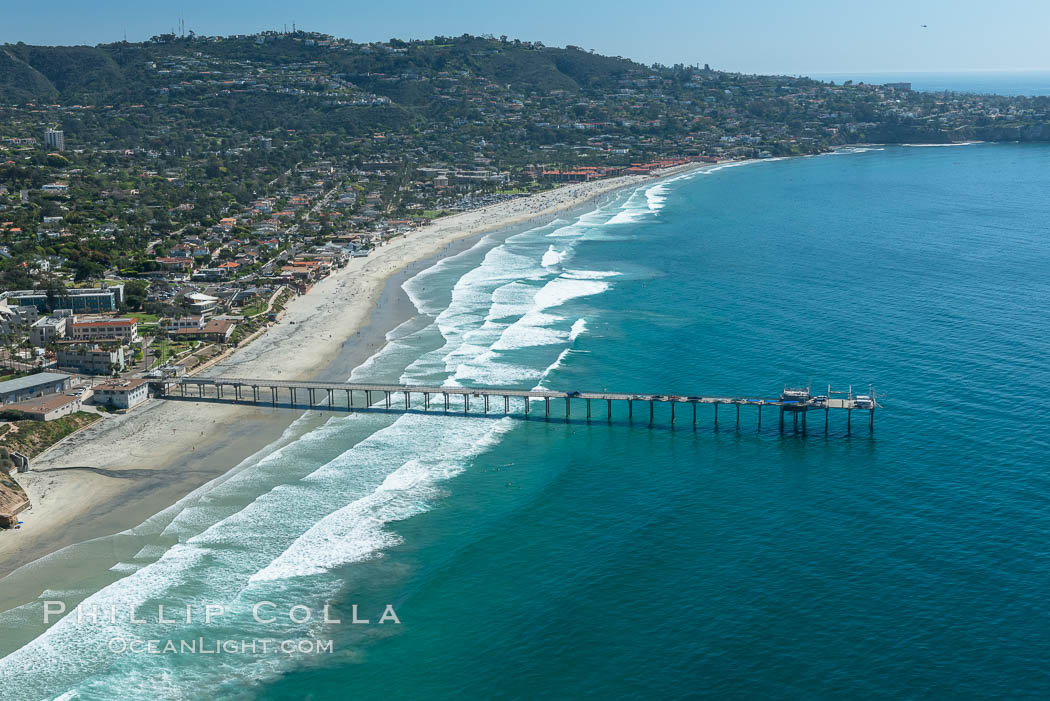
<point x="306" y="81"/>
<point x="76" y="73"/>
<point x="20" y="82"/>
<point x="163" y="140"/>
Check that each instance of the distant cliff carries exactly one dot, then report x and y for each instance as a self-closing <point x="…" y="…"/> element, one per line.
<point x="910" y="134"/>
<point x="1021" y="132"/>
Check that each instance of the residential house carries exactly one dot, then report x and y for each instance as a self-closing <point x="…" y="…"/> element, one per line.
<point x="182" y="264"/>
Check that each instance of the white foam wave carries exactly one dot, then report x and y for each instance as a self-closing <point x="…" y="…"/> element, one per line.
<point x="739" y="164"/>
<point x="415" y="286"/>
<point x="537" y="327"/>
<point x="630" y="216"/>
<point x="960" y="143"/>
<point x="561" y="358"/>
<point x="656" y="196"/>
<point x="855" y="149"/>
<point x="578" y="327"/>
<point x="590" y="274"/>
<point x="552" y="257"/>
<point x="356" y="531"/>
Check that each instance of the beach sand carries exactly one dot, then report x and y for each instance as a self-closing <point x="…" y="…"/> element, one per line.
<point x="123" y="469"/>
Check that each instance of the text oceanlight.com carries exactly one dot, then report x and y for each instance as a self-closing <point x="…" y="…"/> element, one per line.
<point x="204" y="646"/>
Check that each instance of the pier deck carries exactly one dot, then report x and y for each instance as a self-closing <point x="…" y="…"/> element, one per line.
<point x="320" y="395"/>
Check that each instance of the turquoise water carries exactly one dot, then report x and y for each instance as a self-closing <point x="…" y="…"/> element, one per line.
<point x="615" y="560"/>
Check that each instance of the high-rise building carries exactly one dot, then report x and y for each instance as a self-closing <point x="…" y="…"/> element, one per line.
<point x="55" y="139"/>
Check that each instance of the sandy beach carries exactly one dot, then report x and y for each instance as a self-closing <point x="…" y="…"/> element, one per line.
<point x="123" y="469"/>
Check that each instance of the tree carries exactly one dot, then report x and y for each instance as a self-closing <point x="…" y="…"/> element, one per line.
<point x="84" y="270"/>
<point x="135" y="294"/>
<point x="56" y="289"/>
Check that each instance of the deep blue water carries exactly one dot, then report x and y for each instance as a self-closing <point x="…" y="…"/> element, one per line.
<point x="1030" y="83"/>
<point x="610" y="559"/>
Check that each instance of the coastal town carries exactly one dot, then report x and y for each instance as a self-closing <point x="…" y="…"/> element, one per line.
<point x="163" y="203"/>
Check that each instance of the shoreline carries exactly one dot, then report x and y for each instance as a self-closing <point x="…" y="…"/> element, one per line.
<point x="119" y="472"/>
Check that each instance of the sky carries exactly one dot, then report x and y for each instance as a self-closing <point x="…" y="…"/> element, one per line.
<point x="806" y="37"/>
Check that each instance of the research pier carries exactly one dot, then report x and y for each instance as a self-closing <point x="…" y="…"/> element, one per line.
<point x="798" y="403"/>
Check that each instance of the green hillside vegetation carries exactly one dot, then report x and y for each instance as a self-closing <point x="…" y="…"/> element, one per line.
<point x="73" y="70"/>
<point x="20" y="82"/>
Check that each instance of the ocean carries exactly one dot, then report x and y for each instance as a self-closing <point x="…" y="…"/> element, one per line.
<point x="614" y="559"/>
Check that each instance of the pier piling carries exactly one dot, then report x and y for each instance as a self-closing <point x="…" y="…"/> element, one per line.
<point x="796" y="401"/>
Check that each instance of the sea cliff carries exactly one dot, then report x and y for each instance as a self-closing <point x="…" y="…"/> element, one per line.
<point x="13" y="499"/>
